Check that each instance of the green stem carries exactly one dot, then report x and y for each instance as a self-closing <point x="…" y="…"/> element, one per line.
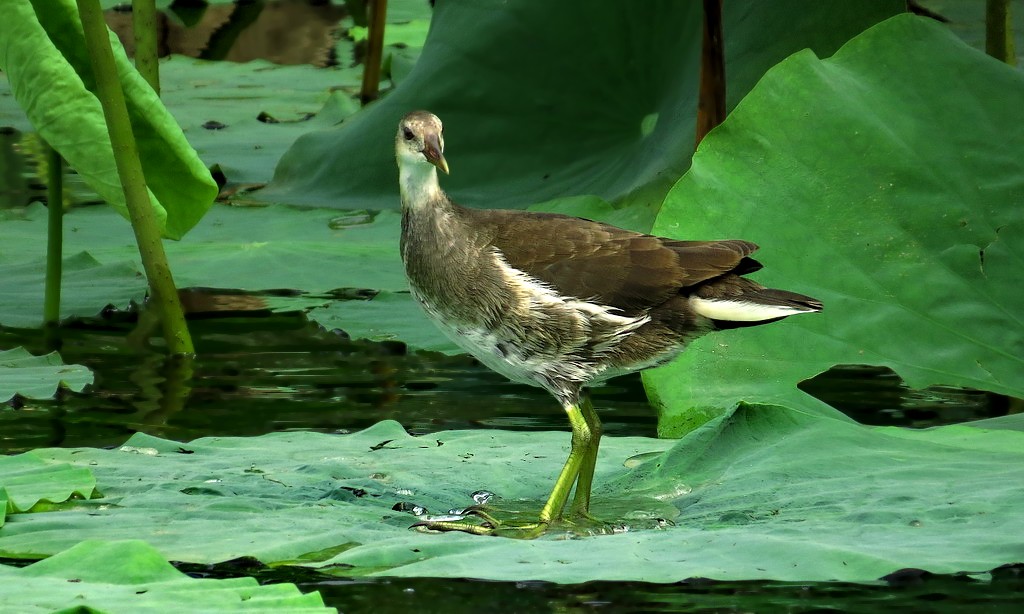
<point x="164" y="296"/>
<point x="144" y="26"/>
<point x="999" y="31"/>
<point x="54" y="237"/>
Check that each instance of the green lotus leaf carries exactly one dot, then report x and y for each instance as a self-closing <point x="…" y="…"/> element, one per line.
<point x="388" y="316"/>
<point x="27" y="480"/>
<point x="132" y="576"/>
<point x="904" y="218"/>
<point x="87" y="285"/>
<point x="763" y="492"/>
<point x="258" y="109"/>
<point x="538" y="107"/>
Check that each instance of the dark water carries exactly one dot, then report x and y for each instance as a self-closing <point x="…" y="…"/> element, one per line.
<point x="264" y="374"/>
<point x="280" y="31"/>
<point x="911" y="591"/>
<point x="259" y="374"/>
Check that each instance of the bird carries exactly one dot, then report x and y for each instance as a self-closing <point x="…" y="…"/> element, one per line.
<point x="562" y="302"/>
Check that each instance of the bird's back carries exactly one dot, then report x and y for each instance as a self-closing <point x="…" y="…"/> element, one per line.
<point x="643" y="297"/>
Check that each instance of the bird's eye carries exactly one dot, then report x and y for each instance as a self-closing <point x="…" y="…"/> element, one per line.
<point x="407" y="133"/>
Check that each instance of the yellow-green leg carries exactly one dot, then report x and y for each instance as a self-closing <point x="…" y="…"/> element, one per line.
<point x="585" y="480"/>
<point x="582" y="457"/>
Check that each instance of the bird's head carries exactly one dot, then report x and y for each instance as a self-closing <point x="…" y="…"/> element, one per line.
<point x="420" y="141"/>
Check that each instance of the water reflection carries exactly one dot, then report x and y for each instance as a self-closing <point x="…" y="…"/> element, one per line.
<point x="282" y="31"/>
<point x="259" y="374"/>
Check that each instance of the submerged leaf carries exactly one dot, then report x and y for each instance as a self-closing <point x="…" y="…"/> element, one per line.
<point x="901" y="214"/>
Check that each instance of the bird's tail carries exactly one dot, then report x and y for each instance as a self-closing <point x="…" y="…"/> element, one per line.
<point x="733" y="302"/>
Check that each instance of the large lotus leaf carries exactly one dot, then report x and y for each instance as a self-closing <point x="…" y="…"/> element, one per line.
<point x="546" y="99"/>
<point x="131" y="576"/>
<point x="763" y="492"/>
<point x="901" y="213"/>
<point x="43" y="55"/>
<point x="251" y="249"/>
<point x="38" y="377"/>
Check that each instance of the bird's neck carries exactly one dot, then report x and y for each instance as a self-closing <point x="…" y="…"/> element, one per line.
<point x="419" y="187"/>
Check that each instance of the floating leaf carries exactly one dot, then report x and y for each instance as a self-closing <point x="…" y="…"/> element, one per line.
<point x="263" y="107"/>
<point x="38" y="377"/>
<point x="87" y="286"/>
<point x="764" y="492"/>
<point x="255" y="249"/>
<point x="388" y="316"/>
<point x="132" y="576"/>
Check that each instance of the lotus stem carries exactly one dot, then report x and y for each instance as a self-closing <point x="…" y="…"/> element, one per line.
<point x="163" y="294"/>
<point x="711" y="99"/>
<point x="378" y="10"/>
<point x="999" y="31"/>
<point x="144" y="26"/>
<point x="54" y="237"/>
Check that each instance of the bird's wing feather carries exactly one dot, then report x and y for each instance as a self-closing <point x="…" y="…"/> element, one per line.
<point x="591" y="260"/>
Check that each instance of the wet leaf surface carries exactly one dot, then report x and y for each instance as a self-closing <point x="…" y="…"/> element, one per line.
<point x="764" y="492"/>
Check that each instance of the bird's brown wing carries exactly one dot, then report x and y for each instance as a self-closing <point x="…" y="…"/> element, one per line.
<point x="591" y="260"/>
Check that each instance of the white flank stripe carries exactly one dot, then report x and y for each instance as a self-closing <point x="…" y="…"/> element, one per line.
<point x="741" y="311"/>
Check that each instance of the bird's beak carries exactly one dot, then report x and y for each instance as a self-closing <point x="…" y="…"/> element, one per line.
<point x="432" y="152"/>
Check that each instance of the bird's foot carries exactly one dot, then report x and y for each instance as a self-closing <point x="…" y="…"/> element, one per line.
<point x="482" y="523"/>
<point x="575" y="524"/>
<point x="492" y="527"/>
